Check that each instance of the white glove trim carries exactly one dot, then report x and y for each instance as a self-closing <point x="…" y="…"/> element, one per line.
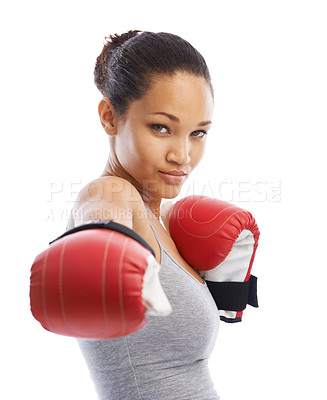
<point x="236" y="265"/>
<point x="154" y="297"/>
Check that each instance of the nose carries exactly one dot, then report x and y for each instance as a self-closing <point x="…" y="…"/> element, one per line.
<point x="180" y="152"/>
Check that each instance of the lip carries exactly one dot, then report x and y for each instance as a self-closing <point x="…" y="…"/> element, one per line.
<point x="173" y="176"/>
<point x="174" y="172"/>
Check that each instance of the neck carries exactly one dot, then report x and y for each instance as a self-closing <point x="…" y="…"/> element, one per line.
<point x="113" y="168"/>
<point x="154" y="209"/>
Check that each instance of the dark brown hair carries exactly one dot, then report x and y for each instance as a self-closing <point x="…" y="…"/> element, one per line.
<point x="128" y="63"/>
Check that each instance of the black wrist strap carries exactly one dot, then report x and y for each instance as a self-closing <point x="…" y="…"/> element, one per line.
<point x="234" y="296"/>
<point x="109" y="225"/>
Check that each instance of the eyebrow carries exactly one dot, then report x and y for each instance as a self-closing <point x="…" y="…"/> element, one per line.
<point x="173" y="118"/>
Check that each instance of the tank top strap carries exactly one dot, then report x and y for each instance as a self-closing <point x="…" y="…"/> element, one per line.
<point x="159" y="243"/>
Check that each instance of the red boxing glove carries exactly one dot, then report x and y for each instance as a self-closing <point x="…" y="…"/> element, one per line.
<point x="220" y="239"/>
<point x="96" y="281"/>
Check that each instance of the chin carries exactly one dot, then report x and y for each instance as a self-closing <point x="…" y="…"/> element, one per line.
<point x="171" y="191"/>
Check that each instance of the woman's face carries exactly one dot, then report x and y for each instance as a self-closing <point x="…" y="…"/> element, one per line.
<point x="163" y="136"/>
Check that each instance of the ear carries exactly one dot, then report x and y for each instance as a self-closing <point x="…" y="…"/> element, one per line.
<point x="108" y="116"/>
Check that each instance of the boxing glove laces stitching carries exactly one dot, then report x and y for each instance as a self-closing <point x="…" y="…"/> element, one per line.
<point x="44" y="301"/>
<point x="213" y="233"/>
<point x="61" y="289"/>
<point x="210" y="220"/>
<point x="120" y="282"/>
<point x="104" y="274"/>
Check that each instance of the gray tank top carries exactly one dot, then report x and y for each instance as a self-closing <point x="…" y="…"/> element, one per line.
<point x="168" y="359"/>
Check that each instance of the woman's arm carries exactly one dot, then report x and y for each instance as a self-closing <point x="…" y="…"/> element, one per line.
<point x="81" y="285"/>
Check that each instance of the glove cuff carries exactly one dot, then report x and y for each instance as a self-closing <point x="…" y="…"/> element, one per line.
<point x="111" y="226"/>
<point x="234" y="296"/>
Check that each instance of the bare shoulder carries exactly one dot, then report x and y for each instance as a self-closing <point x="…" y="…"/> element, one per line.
<point x="106" y="198"/>
<point x="109" y="189"/>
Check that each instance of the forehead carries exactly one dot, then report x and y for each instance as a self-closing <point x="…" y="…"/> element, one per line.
<point x="181" y="94"/>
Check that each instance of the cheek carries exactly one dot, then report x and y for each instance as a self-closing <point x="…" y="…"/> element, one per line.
<point x="197" y="154"/>
<point x="143" y="151"/>
<point x="147" y="150"/>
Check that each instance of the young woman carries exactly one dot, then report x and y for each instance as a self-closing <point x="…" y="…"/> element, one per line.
<point x="122" y="282"/>
<point x="156" y="109"/>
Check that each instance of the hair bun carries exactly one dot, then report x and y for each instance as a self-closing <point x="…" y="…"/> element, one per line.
<point x="114" y="41"/>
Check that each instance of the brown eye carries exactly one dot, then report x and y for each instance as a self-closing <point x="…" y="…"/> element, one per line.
<point x="200" y="134"/>
<point x="159" y="128"/>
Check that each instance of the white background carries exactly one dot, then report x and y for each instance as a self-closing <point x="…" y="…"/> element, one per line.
<point x="266" y="153"/>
